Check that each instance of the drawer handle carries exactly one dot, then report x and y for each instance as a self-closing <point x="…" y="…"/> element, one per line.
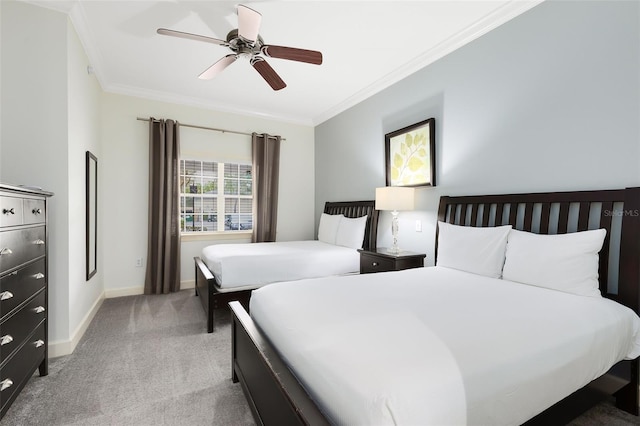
<point x="6" y="295"/>
<point x="6" y="251"/>
<point x="36" y="211"/>
<point x="374" y="263"/>
<point x="38" y="242"/>
<point x="8" y="211"/>
<point x="39" y="309"/>
<point x="6" y="339"/>
<point x="39" y="343"/>
<point x="39" y="276"/>
<point x="5" y="384"/>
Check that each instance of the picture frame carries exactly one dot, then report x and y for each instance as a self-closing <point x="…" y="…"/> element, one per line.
<point x="91" y="211"/>
<point x="410" y="158"/>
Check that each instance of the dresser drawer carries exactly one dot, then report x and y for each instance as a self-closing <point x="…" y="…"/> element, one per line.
<point x="18" y="326"/>
<point x="20" y="285"/>
<point x="371" y="264"/>
<point x="20" y="246"/>
<point x="33" y="211"/>
<point x="10" y="211"/>
<point x="21" y="366"/>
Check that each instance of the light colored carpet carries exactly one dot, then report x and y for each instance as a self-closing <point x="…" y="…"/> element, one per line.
<point x="144" y="360"/>
<point x="147" y="360"/>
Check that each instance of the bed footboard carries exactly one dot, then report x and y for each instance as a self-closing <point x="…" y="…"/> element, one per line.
<point x="204" y="285"/>
<point x="210" y="297"/>
<point x="274" y="394"/>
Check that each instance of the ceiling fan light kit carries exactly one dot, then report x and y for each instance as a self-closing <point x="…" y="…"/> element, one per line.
<point x="246" y="41"/>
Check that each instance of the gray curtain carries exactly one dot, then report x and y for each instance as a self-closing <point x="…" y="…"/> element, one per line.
<point x="163" y="250"/>
<point x="266" y="166"/>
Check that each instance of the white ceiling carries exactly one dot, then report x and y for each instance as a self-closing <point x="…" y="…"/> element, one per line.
<point x="366" y="46"/>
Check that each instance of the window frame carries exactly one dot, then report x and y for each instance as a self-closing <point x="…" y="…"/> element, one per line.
<point x="220" y="197"/>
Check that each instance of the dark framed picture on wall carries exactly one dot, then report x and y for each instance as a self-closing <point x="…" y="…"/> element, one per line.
<point x="91" y="211"/>
<point x="410" y="155"/>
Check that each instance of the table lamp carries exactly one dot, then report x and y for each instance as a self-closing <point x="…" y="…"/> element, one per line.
<point x="395" y="198"/>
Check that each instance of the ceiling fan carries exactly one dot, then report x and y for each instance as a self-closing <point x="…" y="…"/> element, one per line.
<point x="245" y="41"/>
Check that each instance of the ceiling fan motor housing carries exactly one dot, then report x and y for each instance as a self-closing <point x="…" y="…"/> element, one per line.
<point x="243" y="47"/>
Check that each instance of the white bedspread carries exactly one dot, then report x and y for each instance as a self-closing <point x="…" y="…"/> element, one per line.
<point x="257" y="264"/>
<point x="436" y="346"/>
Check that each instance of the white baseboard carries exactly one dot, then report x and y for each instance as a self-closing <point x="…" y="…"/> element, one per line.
<point x="135" y="291"/>
<point x="124" y="291"/>
<point x="66" y="347"/>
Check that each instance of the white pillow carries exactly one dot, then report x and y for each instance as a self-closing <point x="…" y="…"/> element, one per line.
<point x="565" y="262"/>
<point x="328" y="228"/>
<point x="351" y="232"/>
<point x="472" y="249"/>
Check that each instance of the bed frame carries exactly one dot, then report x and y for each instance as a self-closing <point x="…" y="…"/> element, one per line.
<point x="276" y="397"/>
<point x="212" y="298"/>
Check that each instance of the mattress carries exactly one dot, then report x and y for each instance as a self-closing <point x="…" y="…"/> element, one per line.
<point x="253" y="265"/>
<point x="440" y="346"/>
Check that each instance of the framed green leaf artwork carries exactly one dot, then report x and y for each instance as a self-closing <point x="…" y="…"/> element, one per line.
<point x="410" y="155"/>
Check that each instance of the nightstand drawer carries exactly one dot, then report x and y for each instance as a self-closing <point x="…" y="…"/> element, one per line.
<point x="370" y="264"/>
<point x="381" y="260"/>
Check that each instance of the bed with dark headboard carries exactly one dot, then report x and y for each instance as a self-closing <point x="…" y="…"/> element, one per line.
<point x="617" y="211"/>
<point x="276" y="397"/>
<point x="211" y="296"/>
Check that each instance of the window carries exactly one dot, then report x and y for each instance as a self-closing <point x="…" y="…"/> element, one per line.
<point x="215" y="197"/>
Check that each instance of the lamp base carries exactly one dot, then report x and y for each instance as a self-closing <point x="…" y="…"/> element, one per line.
<point x="394" y="250"/>
<point x="394" y="232"/>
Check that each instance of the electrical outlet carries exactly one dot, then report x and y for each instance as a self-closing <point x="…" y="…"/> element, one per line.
<point x="418" y="226"/>
<point x="139" y="262"/>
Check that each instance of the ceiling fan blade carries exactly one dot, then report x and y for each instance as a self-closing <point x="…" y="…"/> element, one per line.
<point x="268" y="73"/>
<point x="190" y="36"/>
<point x="218" y="67"/>
<point x="293" y="54"/>
<point x="248" y="23"/>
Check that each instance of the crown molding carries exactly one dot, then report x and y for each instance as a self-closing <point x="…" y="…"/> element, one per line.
<point x="76" y="14"/>
<point x="489" y="22"/>
<point x="172" y="98"/>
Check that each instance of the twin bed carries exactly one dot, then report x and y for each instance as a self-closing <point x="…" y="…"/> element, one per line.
<point x="535" y="330"/>
<point x="230" y="272"/>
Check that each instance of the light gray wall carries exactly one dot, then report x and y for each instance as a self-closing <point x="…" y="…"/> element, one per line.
<point x="50" y="116"/>
<point x="548" y="101"/>
<point x="84" y="99"/>
<point x="34" y="130"/>
<point x="0" y="92"/>
<point x="124" y="164"/>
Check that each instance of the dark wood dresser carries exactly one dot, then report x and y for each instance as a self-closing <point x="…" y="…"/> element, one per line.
<point x="23" y="289"/>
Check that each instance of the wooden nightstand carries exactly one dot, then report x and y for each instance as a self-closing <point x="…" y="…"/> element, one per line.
<point x="382" y="261"/>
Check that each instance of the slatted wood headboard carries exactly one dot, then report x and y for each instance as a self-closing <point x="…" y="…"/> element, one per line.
<point x="617" y="211"/>
<point x="358" y="209"/>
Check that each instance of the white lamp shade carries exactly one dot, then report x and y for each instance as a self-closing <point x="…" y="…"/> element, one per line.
<point x="395" y="198"/>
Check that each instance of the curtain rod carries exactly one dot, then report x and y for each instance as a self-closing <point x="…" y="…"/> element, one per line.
<point x="193" y="126"/>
